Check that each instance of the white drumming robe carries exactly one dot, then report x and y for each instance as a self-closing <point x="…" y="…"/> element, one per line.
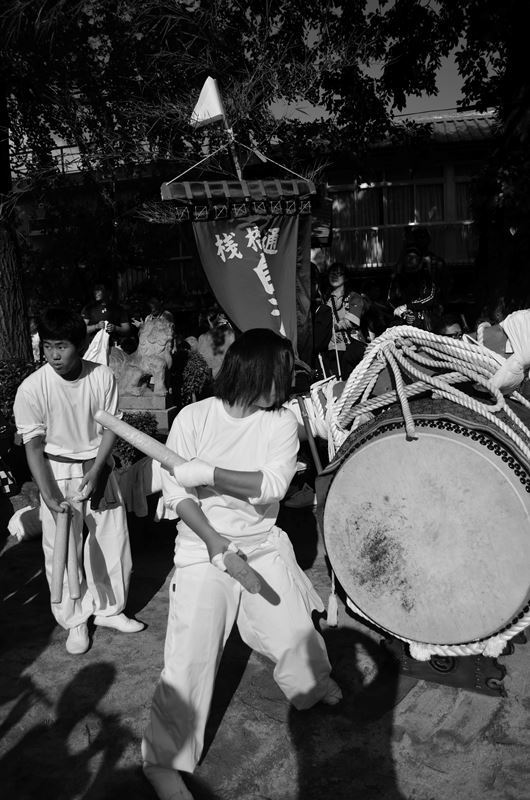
<point x="63" y="413"/>
<point x="206" y="602"/>
<point x="511" y="374"/>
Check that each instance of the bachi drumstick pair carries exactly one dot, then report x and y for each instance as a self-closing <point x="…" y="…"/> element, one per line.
<point x="64" y="555"/>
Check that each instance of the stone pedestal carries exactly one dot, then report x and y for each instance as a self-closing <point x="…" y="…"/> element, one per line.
<point x="159" y="405"/>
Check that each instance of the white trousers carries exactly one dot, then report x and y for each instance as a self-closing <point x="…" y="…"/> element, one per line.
<point x="204" y="603"/>
<point x="104" y="558"/>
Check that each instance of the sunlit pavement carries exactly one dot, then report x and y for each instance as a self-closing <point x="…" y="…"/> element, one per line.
<point x="71" y="725"/>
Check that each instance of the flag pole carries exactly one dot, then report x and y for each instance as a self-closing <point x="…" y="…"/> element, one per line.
<point x="231" y="145"/>
<point x="232" y="148"/>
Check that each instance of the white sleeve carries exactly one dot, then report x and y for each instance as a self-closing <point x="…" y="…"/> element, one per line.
<point x="280" y="468"/>
<point x="181" y="440"/>
<point x="111" y="396"/>
<point x="29" y="416"/>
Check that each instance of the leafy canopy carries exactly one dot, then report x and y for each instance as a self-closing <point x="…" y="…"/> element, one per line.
<point x="118" y="78"/>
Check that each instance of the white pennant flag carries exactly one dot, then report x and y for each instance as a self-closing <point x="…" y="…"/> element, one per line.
<point x="209" y="107"/>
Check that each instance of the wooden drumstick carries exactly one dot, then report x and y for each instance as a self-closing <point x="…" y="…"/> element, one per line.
<point x="238" y="569"/>
<point x="60" y="547"/>
<point x="72" y="567"/>
<point x="235" y="565"/>
<point x="144" y="443"/>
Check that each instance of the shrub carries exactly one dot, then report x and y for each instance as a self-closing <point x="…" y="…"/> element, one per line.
<point x="12" y="373"/>
<point x="196" y="378"/>
<point x="143" y="421"/>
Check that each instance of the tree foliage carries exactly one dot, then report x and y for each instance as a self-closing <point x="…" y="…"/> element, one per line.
<point x="118" y="79"/>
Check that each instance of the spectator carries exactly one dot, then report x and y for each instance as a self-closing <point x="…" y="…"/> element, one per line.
<point x="103" y="314"/>
<point x="414" y="291"/>
<point x="213" y="344"/>
<point x="451" y="325"/>
<point x="337" y="321"/>
<point x="156" y="309"/>
<point x="35" y="341"/>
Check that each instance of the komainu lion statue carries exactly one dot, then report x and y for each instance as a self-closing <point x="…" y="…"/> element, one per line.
<point x="152" y="359"/>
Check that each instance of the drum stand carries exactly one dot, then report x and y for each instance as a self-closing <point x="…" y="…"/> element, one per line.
<point x="480" y="674"/>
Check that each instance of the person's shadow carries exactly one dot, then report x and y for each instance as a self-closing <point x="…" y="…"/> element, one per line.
<point x="345" y="751"/>
<point x="152" y="550"/>
<point x="43" y="765"/>
<point x="26" y="624"/>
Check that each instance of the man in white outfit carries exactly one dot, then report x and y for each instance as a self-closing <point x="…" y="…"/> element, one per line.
<point x="69" y="455"/>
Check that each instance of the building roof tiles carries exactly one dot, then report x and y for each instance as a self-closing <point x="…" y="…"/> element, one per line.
<point x="468" y="126"/>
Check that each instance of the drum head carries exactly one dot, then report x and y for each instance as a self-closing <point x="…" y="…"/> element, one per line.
<point x="431" y="538"/>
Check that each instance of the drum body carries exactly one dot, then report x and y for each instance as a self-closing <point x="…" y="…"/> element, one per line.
<point x="430" y="538"/>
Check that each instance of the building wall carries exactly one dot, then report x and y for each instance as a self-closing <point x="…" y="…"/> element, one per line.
<point x="427" y="184"/>
<point x="370" y="219"/>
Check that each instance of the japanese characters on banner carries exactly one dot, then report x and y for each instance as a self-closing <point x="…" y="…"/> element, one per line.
<point x="250" y="264"/>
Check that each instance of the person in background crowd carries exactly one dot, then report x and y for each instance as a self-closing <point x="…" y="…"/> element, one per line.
<point x="338" y="320"/>
<point x="155" y="308"/>
<point x="413" y="292"/>
<point x="451" y="325"/>
<point x="213" y="343"/>
<point x="35" y="341"/>
<point x="103" y="314"/>
<point x="498" y="309"/>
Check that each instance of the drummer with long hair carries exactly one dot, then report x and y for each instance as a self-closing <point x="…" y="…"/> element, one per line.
<point x="241" y="447"/>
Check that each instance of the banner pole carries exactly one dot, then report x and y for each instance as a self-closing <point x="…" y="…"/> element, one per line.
<point x="233" y="151"/>
<point x="230" y="136"/>
<point x="339" y="375"/>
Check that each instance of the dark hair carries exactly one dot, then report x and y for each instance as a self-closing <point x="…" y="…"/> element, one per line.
<point x="61" y="323"/>
<point x="347" y="285"/>
<point x="376" y="319"/>
<point x="254" y="363"/>
<point x="450" y="318"/>
<point x="337" y="265"/>
<point x="218" y="334"/>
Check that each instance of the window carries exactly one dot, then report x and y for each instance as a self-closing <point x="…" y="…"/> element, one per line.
<point x="369" y="221"/>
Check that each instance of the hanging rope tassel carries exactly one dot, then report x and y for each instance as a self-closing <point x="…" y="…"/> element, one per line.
<point x="332" y="614"/>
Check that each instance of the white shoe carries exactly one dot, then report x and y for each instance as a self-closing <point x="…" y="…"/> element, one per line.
<point x="167" y="783"/>
<point x="77" y="641"/>
<point x="119" y="622"/>
<point x="333" y="695"/>
<point x="303" y="498"/>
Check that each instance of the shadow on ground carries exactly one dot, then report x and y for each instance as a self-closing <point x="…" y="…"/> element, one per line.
<point x="345" y="752"/>
<point x="72" y="727"/>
